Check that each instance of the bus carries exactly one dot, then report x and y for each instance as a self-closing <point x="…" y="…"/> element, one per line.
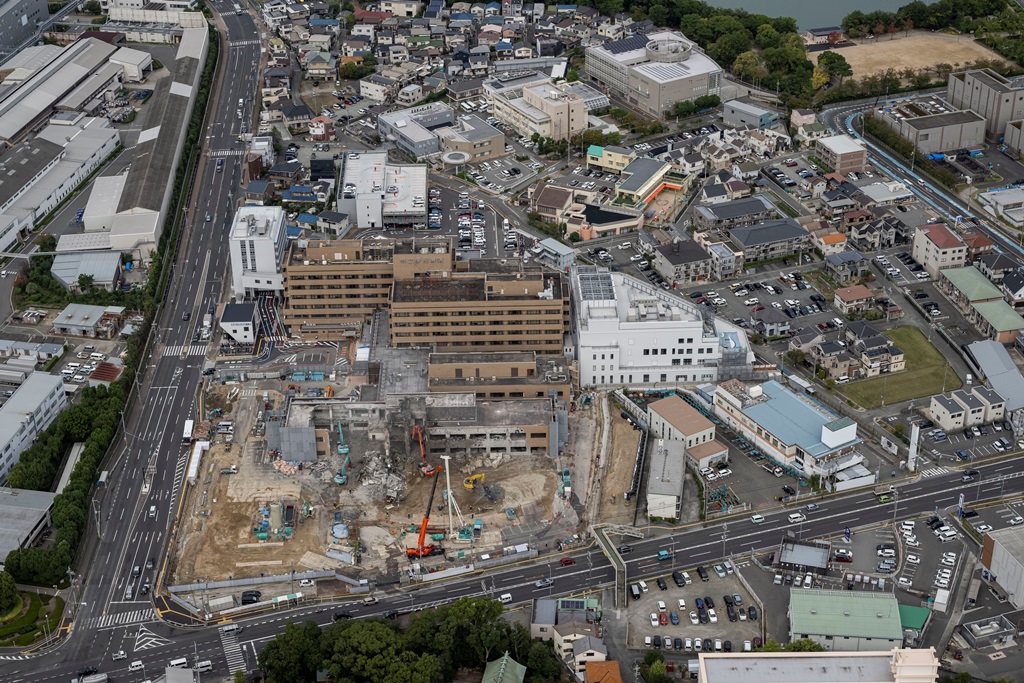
<point x="186" y="437"/>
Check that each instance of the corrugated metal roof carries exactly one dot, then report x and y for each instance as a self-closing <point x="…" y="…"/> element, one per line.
<point x="854" y="614"/>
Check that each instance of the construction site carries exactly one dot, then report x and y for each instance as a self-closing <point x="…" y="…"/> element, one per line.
<point x="369" y="476"/>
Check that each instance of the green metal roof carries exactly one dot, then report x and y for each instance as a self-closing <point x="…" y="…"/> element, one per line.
<point x="1000" y="315"/>
<point x="914" y="617"/>
<point x="504" y="670"/>
<point x="972" y="284"/>
<point x="595" y="150"/>
<point x="854" y="614"/>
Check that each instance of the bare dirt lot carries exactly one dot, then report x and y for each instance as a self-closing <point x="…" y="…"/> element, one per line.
<point x="916" y="51"/>
<point x="618" y="473"/>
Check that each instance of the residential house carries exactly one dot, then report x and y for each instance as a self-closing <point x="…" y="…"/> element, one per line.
<point x="567" y="633"/>
<point x="829" y="243"/>
<point x="285" y="173"/>
<point x="874" y="236"/>
<point x="584" y="650"/>
<point x="296" y="115"/>
<point x="682" y="263"/>
<point x="855" y="299"/>
<point x="847" y="266"/>
<point x="1012" y="288"/>
<point x="996" y="266"/>
<point x="552" y="202"/>
<point x="982" y="303"/>
<point x="609" y="158"/>
<point x="837" y="361"/>
<point x="378" y="88"/>
<point x="967" y="408"/>
<point x="977" y="245"/>
<point x="259" y="192"/>
<point x="321" y="66"/>
<point x="770" y="322"/>
<point x="321" y="128"/>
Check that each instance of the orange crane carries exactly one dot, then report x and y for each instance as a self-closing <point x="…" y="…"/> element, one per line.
<point x="425" y="469"/>
<point x="429" y="549"/>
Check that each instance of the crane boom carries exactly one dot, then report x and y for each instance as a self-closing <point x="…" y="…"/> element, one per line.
<point x="425" y="469"/>
<point x="422" y="550"/>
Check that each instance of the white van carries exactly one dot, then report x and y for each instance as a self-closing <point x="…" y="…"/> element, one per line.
<point x="98" y="356"/>
<point x="796" y="517"/>
<point x="203" y="666"/>
<point x="137" y="665"/>
<point x="947" y="536"/>
<point x="152" y="510"/>
<point x="505" y="598"/>
<point x="231" y="628"/>
<point x="178" y="663"/>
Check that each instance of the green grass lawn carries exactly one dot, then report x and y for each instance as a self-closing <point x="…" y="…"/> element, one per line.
<point x="923" y="376"/>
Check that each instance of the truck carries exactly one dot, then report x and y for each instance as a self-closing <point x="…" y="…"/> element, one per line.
<point x="207" y="326"/>
<point x="884" y="492"/>
<point x="289" y="515"/>
<point x="664" y="555"/>
<point x="230" y="470"/>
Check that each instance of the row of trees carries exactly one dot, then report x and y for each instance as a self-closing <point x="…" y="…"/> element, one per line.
<point x="438" y="642"/>
<point x="689" y="108"/>
<point x="93" y="420"/>
<point x="962" y="15"/>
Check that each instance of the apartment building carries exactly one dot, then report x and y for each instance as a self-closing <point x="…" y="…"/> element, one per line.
<point x="477" y="139"/>
<point x="499" y="376"/>
<point x="334" y="287"/>
<point x="967" y="408"/>
<point x="609" y="158"/>
<point x="936" y="247"/>
<point x="987" y="93"/>
<point x="501" y="310"/>
<point x="841" y="153"/>
<point x="654" y="71"/>
<point x="257" y="243"/>
<point x="682" y="263"/>
<point x="546" y="109"/>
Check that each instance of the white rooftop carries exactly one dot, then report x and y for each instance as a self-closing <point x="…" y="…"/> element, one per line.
<point x="258" y="223"/>
<point x="841" y="144"/>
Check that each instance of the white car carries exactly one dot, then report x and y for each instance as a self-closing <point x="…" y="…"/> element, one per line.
<point x="907" y="525"/>
<point x="949" y="561"/>
<point x="904" y="582"/>
<point x="757" y="519"/>
<point x="719" y="301"/>
<point x="913" y="543"/>
<point x="1014" y="521"/>
<point x="722" y="474"/>
<point x="908" y="537"/>
<point x="643" y="586"/>
<point x="654" y="620"/>
<point x="712" y="616"/>
<point x="740" y="292"/>
<point x="983" y="528"/>
<point x="682" y="604"/>
<point x="913" y="559"/>
<point x="625" y="245"/>
<point x="636" y="257"/>
<point x="694" y="619"/>
<point x="306" y="583"/>
<point x="776" y="304"/>
<point x="942" y="583"/>
<point x="711" y="477"/>
<point x="751" y="302"/>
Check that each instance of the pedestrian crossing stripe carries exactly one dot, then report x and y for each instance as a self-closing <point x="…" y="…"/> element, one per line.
<point x="220" y="153"/>
<point x="146" y="639"/>
<point x="933" y="472"/>
<point x="121" y="619"/>
<point x="179" y="473"/>
<point x="190" y="350"/>
<point x="241" y="43"/>
<point x="232" y="651"/>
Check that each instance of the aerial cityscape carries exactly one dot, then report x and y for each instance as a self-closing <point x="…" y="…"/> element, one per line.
<point x="434" y="341"/>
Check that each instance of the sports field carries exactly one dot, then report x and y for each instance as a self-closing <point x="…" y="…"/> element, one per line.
<point x="923" y="376"/>
<point x="916" y="51"/>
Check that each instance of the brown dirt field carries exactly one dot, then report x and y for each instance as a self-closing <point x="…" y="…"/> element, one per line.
<point x="916" y="51"/>
<point x="618" y="473"/>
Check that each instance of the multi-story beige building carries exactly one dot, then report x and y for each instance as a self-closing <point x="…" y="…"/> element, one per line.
<point x="499" y="376"/>
<point x="473" y="136"/>
<point x="549" y="110"/>
<point x="333" y="287"/>
<point x="841" y="153"/>
<point x="495" y="311"/>
<point x="986" y="92"/>
<point x="655" y="71"/>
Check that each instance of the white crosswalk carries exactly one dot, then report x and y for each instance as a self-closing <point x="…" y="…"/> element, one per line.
<point x="190" y="350"/>
<point x="240" y="43"/>
<point x="121" y="618"/>
<point x="232" y="651"/>
<point x="249" y="393"/>
<point x="179" y="473"/>
<point x="933" y="472"/>
<point x="228" y="153"/>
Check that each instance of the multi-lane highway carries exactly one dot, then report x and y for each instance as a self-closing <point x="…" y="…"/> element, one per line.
<point x="149" y="467"/>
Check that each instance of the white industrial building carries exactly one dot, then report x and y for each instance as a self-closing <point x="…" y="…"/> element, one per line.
<point x="34" y="405"/>
<point x="841" y="620"/>
<point x="666" y="480"/>
<point x="628" y="332"/>
<point x="376" y="193"/>
<point x="257" y="242"/>
<point x="135" y="64"/>
<point x="39" y="174"/>
<point x="239" y="322"/>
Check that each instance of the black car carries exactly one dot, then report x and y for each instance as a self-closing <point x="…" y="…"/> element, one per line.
<point x="727" y="599"/>
<point x="656" y="641"/>
<point x="752" y="613"/>
<point x="338" y="616"/>
<point x="391" y="614"/>
<point x="970" y="513"/>
<point x="703" y="616"/>
<point x="254" y="594"/>
<point x="789" y="490"/>
<point x="662" y="585"/>
<point x="727" y="646"/>
<point x="731" y="612"/>
<point x="678" y="578"/>
<point x="708" y="645"/>
<point x="150" y="563"/>
<point x="87" y="671"/>
<point x="968" y="434"/>
<point x="186" y="315"/>
<point x="623" y="549"/>
<point x="709" y="602"/>
<point x="702" y="573"/>
<point x="678" y="643"/>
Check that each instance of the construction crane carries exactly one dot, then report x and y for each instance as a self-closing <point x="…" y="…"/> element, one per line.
<point x="429" y="549"/>
<point x="342" y="446"/>
<point x="425" y="469"/>
<point x="470" y="482"/>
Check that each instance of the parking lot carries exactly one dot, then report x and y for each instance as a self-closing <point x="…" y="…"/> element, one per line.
<point x="497" y="174"/>
<point x="789" y="293"/>
<point x="719" y="624"/>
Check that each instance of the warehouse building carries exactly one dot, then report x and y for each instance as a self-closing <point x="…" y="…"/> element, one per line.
<point x="1002" y="554"/>
<point x="30" y="410"/>
<point x="666" y="480"/>
<point x="652" y="72"/>
<point x="886" y="665"/>
<point x="988" y="93"/>
<point x="850" y="621"/>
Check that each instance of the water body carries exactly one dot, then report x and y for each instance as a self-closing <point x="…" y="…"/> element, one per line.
<point x="809" y="13"/>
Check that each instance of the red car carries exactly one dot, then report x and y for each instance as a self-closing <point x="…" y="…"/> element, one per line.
<point x="567" y="561"/>
<point x="663" y="619"/>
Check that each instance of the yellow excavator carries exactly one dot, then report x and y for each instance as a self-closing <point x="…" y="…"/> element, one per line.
<point x="470" y="482"/>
